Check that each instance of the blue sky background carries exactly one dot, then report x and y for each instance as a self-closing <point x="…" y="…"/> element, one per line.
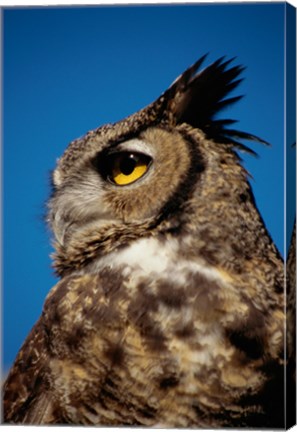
<point x="69" y="70"/>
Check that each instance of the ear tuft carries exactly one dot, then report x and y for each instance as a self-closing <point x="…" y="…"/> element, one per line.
<point x="196" y="97"/>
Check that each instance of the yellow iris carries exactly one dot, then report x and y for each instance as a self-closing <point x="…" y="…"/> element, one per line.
<point x="127" y="167"/>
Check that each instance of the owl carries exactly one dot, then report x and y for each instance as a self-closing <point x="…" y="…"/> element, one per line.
<point x="169" y="311"/>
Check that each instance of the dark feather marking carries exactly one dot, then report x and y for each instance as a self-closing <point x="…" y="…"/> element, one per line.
<point x="171" y="296"/>
<point x="152" y="335"/>
<point x="139" y="315"/>
<point x="144" y="300"/>
<point x="89" y="407"/>
<point x="75" y="337"/>
<point x="112" y="282"/>
<point x="148" y="412"/>
<point x="108" y="390"/>
<point x="200" y="412"/>
<point x="249" y="335"/>
<point x="169" y="382"/>
<point x="243" y="197"/>
<point x="184" y="331"/>
<point x="107" y="394"/>
<point x="115" y="353"/>
<point x="200" y="285"/>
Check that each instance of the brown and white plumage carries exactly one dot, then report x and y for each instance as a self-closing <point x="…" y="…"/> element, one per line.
<point x="170" y="308"/>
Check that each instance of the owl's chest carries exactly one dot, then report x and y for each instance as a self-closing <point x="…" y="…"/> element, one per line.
<point x="175" y="304"/>
<point x="170" y="301"/>
<point x="173" y="298"/>
<point x="156" y="330"/>
<point x="175" y="315"/>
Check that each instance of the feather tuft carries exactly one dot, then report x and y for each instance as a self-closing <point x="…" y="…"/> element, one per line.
<point x="197" y="96"/>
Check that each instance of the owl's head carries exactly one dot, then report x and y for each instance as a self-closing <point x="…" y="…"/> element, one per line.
<point x="155" y="171"/>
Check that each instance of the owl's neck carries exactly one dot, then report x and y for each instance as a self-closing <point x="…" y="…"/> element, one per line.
<point x="206" y="233"/>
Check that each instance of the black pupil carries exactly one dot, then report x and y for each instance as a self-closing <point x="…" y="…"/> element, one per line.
<point x="127" y="164"/>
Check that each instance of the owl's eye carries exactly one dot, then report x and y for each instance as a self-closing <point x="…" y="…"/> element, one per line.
<point x="126" y="167"/>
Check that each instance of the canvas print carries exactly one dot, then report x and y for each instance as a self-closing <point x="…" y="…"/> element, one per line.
<point x="149" y="151"/>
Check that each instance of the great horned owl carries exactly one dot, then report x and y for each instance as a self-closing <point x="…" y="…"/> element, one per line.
<point x="170" y="307"/>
